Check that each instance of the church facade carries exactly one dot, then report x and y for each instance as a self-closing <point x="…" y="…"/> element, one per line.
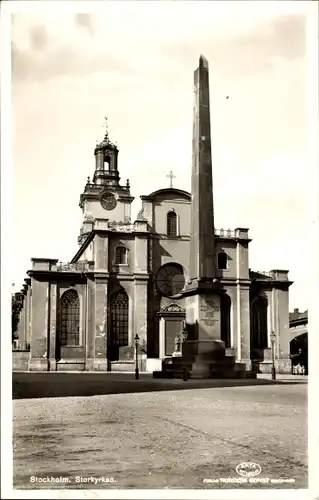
<point x="127" y="278"/>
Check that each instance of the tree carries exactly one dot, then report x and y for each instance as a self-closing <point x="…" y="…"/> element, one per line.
<point x="16" y="306"/>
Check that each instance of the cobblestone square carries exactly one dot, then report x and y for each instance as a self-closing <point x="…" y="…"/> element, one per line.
<point x="192" y="438"/>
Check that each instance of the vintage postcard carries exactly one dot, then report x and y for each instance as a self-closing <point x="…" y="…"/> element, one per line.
<point x="159" y="223"/>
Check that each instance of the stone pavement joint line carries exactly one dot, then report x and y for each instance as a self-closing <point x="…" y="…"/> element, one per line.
<point x="229" y="441"/>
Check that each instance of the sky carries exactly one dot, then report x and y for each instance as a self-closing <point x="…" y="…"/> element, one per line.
<point x="73" y="64"/>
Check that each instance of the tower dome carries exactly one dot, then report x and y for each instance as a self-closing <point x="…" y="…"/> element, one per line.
<point x="106" y="145"/>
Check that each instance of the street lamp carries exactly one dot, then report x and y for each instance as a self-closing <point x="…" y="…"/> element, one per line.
<point x="137" y="375"/>
<point x="273" y="368"/>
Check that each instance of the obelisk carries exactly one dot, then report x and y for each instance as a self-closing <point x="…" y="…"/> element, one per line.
<point x="203" y="320"/>
<point x="202" y="207"/>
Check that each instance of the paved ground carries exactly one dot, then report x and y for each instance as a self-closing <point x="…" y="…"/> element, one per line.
<point x="58" y="384"/>
<point x="166" y="439"/>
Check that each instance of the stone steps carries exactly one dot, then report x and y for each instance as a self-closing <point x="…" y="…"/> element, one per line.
<point x="233" y="374"/>
<point x="226" y="368"/>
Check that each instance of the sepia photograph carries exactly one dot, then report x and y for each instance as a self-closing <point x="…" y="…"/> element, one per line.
<point x="159" y="187"/>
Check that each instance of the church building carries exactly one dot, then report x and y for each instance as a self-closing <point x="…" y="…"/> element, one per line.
<point x="127" y="278"/>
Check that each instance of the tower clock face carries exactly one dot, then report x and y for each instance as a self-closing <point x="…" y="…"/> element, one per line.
<point x="108" y="201"/>
<point x="170" y="280"/>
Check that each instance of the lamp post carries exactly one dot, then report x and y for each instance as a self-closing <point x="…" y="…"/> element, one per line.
<point x="273" y="368"/>
<point x="137" y="375"/>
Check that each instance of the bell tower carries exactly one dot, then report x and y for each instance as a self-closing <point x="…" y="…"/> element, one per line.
<point x="106" y="162"/>
<point x="104" y="197"/>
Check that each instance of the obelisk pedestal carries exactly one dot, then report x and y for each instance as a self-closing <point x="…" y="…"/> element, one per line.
<point x="204" y="350"/>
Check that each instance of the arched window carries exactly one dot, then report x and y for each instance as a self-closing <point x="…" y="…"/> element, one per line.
<point x="225" y="305"/>
<point x="120" y="255"/>
<point x="259" y="323"/>
<point x="119" y="319"/>
<point x="222" y="260"/>
<point x="171" y="224"/>
<point x="70" y="318"/>
<point x="107" y="162"/>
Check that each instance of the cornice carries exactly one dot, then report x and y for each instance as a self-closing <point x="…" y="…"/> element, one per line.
<point x="282" y="285"/>
<point x="58" y="275"/>
<point x="160" y="192"/>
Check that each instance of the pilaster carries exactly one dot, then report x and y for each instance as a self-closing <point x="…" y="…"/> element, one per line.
<point x="40" y="314"/>
<point x="26" y="316"/>
<point x="140" y="253"/>
<point x="242" y="255"/>
<point x="100" y="343"/>
<point x="162" y="338"/>
<point x="283" y="333"/>
<point x="90" y="325"/>
<point x="232" y="293"/>
<point x="28" y="312"/>
<point x="52" y="326"/>
<point x="140" y="310"/>
<point x="270" y="315"/>
<point x="245" y="326"/>
<point x="101" y="247"/>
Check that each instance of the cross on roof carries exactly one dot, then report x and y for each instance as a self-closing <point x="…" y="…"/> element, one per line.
<point x="171" y="176"/>
<point x="105" y="126"/>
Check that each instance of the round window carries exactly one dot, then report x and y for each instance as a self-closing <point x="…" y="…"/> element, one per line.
<point x="170" y="279"/>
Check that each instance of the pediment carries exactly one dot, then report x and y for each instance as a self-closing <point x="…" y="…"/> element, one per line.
<point x="173" y="307"/>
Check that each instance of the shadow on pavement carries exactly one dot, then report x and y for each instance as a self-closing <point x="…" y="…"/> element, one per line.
<point x="54" y="384"/>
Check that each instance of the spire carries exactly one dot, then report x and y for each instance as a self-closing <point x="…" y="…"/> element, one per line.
<point x="106" y="128"/>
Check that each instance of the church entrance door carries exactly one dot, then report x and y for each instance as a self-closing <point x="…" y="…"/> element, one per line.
<point x="173" y="327"/>
<point x="171" y="321"/>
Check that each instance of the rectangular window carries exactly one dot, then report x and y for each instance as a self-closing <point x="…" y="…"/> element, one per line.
<point x="120" y="256"/>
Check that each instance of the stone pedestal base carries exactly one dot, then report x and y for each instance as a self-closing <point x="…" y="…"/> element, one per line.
<point x="89" y="363"/>
<point x="204" y="356"/>
<point x="177" y="354"/>
<point x="207" y="359"/>
<point x="100" y="365"/>
<point x="212" y="349"/>
<point x="247" y="363"/>
<point x="284" y="365"/>
<point x="52" y="365"/>
<point x="203" y="359"/>
<point x="38" y="364"/>
<point x="93" y="364"/>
